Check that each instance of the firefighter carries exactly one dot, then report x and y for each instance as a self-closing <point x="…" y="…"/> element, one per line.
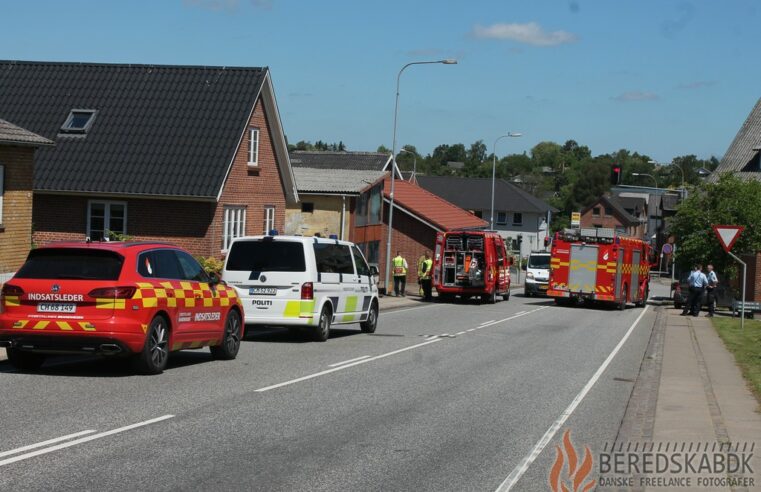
<point x="420" y="275"/>
<point x="400" y="275"/>
<point x="425" y="279"/>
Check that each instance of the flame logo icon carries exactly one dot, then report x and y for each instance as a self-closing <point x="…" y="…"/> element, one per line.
<point x="576" y="473"/>
<point x="605" y="256"/>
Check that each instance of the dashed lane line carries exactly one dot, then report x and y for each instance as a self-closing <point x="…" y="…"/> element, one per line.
<point x="348" y="361"/>
<point x="45" y="443"/>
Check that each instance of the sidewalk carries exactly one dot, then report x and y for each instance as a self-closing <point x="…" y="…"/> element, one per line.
<point x="690" y="391"/>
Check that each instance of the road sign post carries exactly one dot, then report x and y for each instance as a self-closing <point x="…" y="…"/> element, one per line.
<point x="728" y="235"/>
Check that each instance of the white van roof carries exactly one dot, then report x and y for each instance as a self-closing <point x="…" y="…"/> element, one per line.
<point x="300" y="239"/>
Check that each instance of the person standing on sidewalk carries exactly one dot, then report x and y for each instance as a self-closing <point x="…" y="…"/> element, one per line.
<point x="697" y="281"/>
<point x="400" y="275"/>
<point x="713" y="281"/>
<point x="425" y="278"/>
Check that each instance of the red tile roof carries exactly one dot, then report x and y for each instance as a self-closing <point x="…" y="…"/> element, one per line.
<point x="431" y="208"/>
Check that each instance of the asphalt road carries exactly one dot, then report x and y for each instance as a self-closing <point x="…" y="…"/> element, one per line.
<point x="442" y="397"/>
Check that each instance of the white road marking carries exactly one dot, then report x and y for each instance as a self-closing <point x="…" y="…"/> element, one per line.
<point x="45" y="443"/>
<point x="432" y="337"/>
<point x="520" y="312"/>
<point x="514" y="316"/>
<point x="348" y="361"/>
<point x="490" y="321"/>
<point x="519" y="470"/>
<point x="470" y="329"/>
<point x="460" y="333"/>
<point x="405" y="310"/>
<point x="345" y="366"/>
<point x="82" y="440"/>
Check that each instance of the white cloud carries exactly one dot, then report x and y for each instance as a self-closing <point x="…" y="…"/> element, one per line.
<point x="636" y="96"/>
<point x="529" y="33"/>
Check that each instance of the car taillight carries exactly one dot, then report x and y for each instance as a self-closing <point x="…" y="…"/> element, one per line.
<point x="307" y="291"/>
<point x="113" y="292"/>
<point x="12" y="290"/>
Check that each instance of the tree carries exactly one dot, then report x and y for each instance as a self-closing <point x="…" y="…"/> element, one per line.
<point x="729" y="201"/>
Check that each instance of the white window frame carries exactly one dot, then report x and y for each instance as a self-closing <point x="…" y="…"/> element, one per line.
<point x="233" y="224"/>
<point x="504" y="220"/>
<point x="269" y="219"/>
<point x="253" y="146"/>
<point x="2" y="191"/>
<point x="106" y="215"/>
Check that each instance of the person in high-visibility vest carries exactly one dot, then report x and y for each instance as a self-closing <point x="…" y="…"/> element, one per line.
<point x="420" y="275"/>
<point x="400" y="275"/>
<point x="425" y="279"/>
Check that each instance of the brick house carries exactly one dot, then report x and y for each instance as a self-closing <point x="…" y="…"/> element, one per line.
<point x="610" y="212"/>
<point x="418" y="216"/>
<point x="17" y="148"/>
<point x="328" y="183"/>
<point x="190" y="155"/>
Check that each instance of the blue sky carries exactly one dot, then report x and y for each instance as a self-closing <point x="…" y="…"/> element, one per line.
<point x="664" y="78"/>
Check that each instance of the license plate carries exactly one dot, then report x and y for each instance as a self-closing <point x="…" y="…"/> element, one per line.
<point x="56" y="307"/>
<point x="262" y="291"/>
<point x="542" y="287"/>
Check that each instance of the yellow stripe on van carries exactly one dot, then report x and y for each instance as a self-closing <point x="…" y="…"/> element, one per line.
<point x="292" y="309"/>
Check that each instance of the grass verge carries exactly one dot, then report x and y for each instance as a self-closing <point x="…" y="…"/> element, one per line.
<point x="746" y="347"/>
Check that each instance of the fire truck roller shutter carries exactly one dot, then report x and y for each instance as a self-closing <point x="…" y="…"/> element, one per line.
<point x="582" y="272"/>
<point x="634" y="286"/>
<point x="619" y="268"/>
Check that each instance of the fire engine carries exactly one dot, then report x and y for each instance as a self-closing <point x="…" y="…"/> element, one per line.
<point x="599" y="265"/>
<point x="471" y="263"/>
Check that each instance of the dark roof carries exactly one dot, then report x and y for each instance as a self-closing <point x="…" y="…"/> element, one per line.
<point x="15" y="135"/>
<point x="740" y="159"/>
<point x="632" y="203"/>
<point x="158" y="130"/>
<point x="364" y="161"/>
<point x="431" y="208"/>
<point x="617" y="207"/>
<point x="475" y="194"/>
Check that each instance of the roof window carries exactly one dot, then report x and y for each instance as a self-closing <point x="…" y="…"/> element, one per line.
<point x="78" y="121"/>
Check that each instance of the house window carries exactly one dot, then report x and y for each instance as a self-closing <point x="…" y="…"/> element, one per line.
<point x="517" y="218"/>
<point x="608" y="211"/>
<point x="596" y="212"/>
<point x="234" y="225"/>
<point x="2" y="191"/>
<point x="269" y="219"/>
<point x="501" y="218"/>
<point x="78" y="121"/>
<point x="106" y="218"/>
<point x="307" y="207"/>
<point x="253" y="146"/>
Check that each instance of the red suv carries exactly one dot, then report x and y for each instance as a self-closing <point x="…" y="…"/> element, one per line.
<point x="116" y="298"/>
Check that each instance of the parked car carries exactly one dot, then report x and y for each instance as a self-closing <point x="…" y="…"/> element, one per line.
<point x="681" y="292"/>
<point x="142" y="300"/>
<point x="304" y="283"/>
<point x="537" y="274"/>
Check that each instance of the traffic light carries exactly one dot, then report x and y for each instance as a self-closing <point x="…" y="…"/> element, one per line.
<point x="615" y="174"/>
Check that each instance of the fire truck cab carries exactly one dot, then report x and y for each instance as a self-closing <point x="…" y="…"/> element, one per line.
<point x="471" y="263"/>
<point x="599" y="265"/>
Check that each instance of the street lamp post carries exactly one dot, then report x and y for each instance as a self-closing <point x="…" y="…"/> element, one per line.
<point x="494" y="172"/>
<point x="414" y="163"/>
<point x="448" y="61"/>
<point x="681" y="192"/>
<point x="650" y="175"/>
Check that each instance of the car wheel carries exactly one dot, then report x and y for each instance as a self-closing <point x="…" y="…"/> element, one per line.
<point x="492" y="297"/>
<point x="371" y="323"/>
<point x="153" y="358"/>
<point x="643" y="301"/>
<point x="506" y="295"/>
<point x="230" y="345"/>
<point x="322" y="333"/>
<point x="622" y="303"/>
<point x="25" y="361"/>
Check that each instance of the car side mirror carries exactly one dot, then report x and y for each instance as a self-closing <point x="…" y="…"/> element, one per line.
<point x="214" y="278"/>
<point x="373" y="270"/>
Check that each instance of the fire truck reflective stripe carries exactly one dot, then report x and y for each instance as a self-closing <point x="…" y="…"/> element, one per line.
<point x="190" y="302"/>
<point x="109" y="303"/>
<point x="21" y="324"/>
<point x="150" y="302"/>
<point x="167" y="285"/>
<point x="13" y="301"/>
<point x="208" y="302"/>
<point x="64" y="326"/>
<point x="87" y="326"/>
<point x="224" y="302"/>
<point x="40" y="325"/>
<point x="143" y="285"/>
<point x="171" y="302"/>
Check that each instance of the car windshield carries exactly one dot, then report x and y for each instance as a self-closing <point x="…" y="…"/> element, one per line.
<point x="266" y="256"/>
<point x="72" y="263"/>
<point x="541" y="262"/>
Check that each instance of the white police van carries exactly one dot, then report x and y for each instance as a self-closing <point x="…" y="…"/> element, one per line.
<point x="306" y="282"/>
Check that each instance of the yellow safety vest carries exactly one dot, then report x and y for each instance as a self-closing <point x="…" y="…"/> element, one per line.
<point x="399" y="268"/>
<point x="427" y="266"/>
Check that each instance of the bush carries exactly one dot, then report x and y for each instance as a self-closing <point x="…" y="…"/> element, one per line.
<point x="211" y="264"/>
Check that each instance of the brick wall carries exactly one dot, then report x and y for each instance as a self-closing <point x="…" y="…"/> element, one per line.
<point x="753" y="281"/>
<point x="588" y="219"/>
<point x="184" y="223"/>
<point x="253" y="188"/>
<point x="16" y="221"/>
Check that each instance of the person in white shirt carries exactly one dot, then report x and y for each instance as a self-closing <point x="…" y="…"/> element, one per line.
<point x="697" y="282"/>
<point x="713" y="281"/>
